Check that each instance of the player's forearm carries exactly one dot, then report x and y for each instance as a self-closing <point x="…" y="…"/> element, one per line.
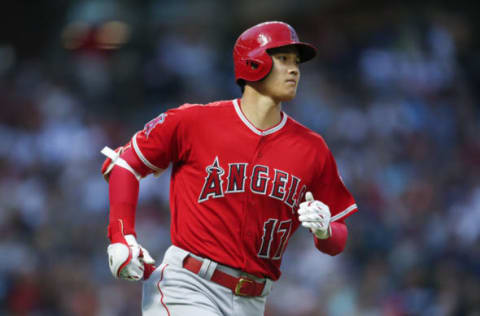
<point x="123" y="193"/>
<point x="335" y="244"/>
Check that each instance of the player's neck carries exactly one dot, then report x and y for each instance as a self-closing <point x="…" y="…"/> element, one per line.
<point x="261" y="110"/>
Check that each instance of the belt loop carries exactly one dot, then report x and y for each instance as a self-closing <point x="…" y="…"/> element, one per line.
<point x="268" y="287"/>
<point x="210" y="270"/>
<point x="204" y="268"/>
<point x="175" y="256"/>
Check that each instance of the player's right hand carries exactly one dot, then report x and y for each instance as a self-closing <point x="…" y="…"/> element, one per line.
<point x="128" y="260"/>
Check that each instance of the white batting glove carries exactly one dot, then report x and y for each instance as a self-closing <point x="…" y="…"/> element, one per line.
<point x="315" y="215"/>
<point x="127" y="260"/>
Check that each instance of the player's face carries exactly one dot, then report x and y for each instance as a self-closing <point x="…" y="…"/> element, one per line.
<point x="282" y="82"/>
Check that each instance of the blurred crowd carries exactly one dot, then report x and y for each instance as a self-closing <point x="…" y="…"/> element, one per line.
<point x="393" y="90"/>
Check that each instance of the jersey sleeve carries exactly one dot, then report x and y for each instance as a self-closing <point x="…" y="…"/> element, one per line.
<point x="164" y="139"/>
<point x="330" y="189"/>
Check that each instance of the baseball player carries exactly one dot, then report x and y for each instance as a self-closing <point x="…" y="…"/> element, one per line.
<point x="244" y="177"/>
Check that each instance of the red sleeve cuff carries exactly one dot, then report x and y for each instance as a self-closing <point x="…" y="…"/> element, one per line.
<point x="135" y="162"/>
<point x="335" y="244"/>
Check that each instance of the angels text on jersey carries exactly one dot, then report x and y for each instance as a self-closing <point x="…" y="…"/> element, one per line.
<point x="276" y="184"/>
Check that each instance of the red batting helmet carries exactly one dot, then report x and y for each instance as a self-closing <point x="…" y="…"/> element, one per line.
<point x="250" y="53"/>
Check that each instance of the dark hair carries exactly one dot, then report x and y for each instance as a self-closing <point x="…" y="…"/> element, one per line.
<point x="242" y="84"/>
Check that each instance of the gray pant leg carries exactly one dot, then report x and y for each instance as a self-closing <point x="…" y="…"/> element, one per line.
<point x="174" y="291"/>
<point x="171" y="291"/>
<point x="251" y="306"/>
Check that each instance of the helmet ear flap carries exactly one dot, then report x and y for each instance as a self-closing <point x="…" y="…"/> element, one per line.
<point x="258" y="68"/>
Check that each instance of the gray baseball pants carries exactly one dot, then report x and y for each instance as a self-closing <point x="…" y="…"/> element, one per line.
<point x="172" y="290"/>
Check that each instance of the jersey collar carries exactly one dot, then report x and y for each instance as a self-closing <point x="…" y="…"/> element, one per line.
<point x="257" y="131"/>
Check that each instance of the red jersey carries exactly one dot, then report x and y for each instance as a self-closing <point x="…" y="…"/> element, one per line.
<point x="234" y="188"/>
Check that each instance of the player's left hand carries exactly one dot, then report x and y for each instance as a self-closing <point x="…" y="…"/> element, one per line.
<point x="315" y="215"/>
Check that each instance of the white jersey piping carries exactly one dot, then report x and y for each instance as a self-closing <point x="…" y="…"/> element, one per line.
<point x="142" y="157"/>
<point x="344" y="213"/>
<point x="253" y="128"/>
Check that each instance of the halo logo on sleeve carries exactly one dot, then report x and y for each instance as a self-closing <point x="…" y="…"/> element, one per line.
<point x="151" y="125"/>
